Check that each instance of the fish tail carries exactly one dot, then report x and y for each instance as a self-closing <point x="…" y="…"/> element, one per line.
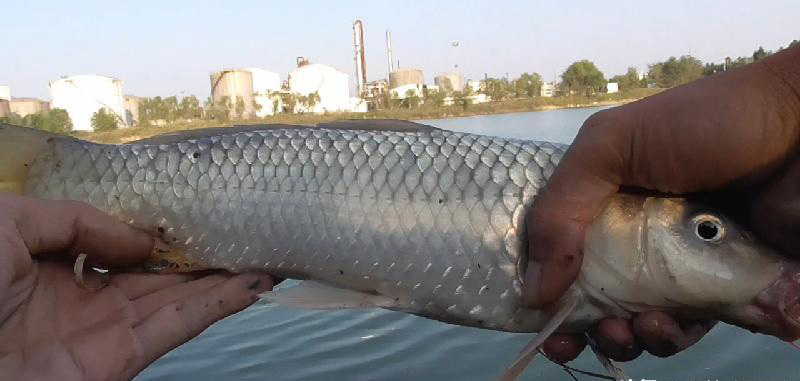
<point x="19" y="147"/>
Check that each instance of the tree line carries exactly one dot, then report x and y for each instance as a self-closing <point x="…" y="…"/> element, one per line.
<point x="55" y="120"/>
<point x="580" y="78"/>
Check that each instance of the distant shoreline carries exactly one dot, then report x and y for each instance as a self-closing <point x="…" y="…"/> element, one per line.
<point x="538" y="109"/>
<point x="124" y="135"/>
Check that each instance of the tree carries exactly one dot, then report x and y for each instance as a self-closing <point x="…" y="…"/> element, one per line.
<point x="527" y="85"/>
<point x="276" y="102"/>
<point x="674" y="71"/>
<point x="463" y="98"/>
<point x="629" y="80"/>
<point x="189" y="108"/>
<point x="289" y="101"/>
<point x="412" y="99"/>
<point x="711" y="68"/>
<point x="497" y="89"/>
<point x="240" y="107"/>
<point x="435" y="97"/>
<point x="57" y="120"/>
<point x="219" y="110"/>
<point x="760" y="53"/>
<point x="104" y="121"/>
<point x="583" y="76"/>
<point x="313" y="99"/>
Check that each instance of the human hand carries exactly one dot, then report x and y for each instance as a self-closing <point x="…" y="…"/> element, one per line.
<point x="52" y="329"/>
<point x="731" y="133"/>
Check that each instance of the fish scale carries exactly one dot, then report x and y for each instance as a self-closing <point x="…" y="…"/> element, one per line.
<point x="431" y="218"/>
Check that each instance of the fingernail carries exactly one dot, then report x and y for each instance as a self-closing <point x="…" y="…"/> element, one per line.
<point x="258" y="283"/>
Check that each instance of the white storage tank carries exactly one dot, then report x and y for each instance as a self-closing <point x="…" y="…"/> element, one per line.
<point x="265" y="83"/>
<point x="403" y="77"/>
<point x="450" y="81"/>
<point x="83" y="95"/>
<point x="332" y="86"/>
<point x="234" y="84"/>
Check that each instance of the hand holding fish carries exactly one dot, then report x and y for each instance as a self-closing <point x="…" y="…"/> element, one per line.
<point x="733" y="134"/>
<point x="52" y="329"/>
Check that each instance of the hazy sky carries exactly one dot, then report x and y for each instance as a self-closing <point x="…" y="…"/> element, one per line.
<point x="169" y="47"/>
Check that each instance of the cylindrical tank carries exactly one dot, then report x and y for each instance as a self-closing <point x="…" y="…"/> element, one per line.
<point x="5" y="108"/>
<point x="332" y="86"/>
<point x="450" y="81"/>
<point x="131" y="110"/>
<point x="402" y="77"/>
<point x="265" y="84"/>
<point x="235" y="85"/>
<point x="28" y="106"/>
<point x="5" y="92"/>
<point x="83" y="95"/>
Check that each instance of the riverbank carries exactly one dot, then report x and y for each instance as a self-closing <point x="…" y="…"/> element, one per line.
<point x="423" y="112"/>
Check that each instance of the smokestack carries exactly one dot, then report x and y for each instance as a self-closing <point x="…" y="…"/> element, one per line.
<point x="361" y="62"/>
<point x="389" y="50"/>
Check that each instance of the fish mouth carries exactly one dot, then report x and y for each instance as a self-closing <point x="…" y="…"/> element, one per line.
<point x="779" y="307"/>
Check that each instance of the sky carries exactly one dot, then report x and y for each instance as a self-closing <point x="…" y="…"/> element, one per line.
<point x="170" y="47"/>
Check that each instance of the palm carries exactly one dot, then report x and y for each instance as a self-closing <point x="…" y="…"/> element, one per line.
<point x="52" y="329"/>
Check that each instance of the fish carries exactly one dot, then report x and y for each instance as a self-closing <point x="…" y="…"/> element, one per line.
<point x="407" y="217"/>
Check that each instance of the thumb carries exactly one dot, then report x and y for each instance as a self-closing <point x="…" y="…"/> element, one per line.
<point x="575" y="193"/>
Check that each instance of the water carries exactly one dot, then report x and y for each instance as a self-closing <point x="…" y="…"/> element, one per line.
<point x="275" y="343"/>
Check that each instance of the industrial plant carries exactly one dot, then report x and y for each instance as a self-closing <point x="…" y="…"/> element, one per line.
<point x="83" y="95"/>
<point x="246" y="93"/>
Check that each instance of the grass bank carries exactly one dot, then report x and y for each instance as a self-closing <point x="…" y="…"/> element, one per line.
<point x="423" y="112"/>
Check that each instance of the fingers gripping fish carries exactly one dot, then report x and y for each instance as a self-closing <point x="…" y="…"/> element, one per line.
<point x="406" y="217"/>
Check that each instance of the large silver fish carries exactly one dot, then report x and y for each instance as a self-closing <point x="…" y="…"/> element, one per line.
<point x="406" y="217"/>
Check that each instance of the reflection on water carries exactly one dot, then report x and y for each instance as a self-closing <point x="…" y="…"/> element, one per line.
<point x="275" y="343"/>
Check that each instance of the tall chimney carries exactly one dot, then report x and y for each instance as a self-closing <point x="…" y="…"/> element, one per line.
<point x="361" y="62"/>
<point x="389" y="50"/>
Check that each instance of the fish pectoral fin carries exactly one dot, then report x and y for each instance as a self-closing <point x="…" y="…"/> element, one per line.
<point x="566" y="306"/>
<point x="614" y="370"/>
<point x="165" y="259"/>
<point x="311" y="294"/>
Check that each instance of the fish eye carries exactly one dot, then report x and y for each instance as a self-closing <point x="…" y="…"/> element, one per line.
<point x="708" y="228"/>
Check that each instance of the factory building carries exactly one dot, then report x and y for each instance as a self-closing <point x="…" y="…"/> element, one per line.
<point x="450" y="82"/>
<point x="330" y="84"/>
<point x="83" y="95"/>
<point x="265" y="86"/>
<point x="405" y="81"/>
<point x="474" y="86"/>
<point x="28" y="106"/>
<point x="131" y="110"/>
<point x="5" y="101"/>
<point x="5" y="108"/>
<point x="548" y="90"/>
<point x="231" y="87"/>
<point x="374" y="91"/>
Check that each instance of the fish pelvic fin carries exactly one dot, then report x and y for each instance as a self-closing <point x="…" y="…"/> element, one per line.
<point x="565" y="308"/>
<point x="311" y="294"/>
<point x="19" y="147"/>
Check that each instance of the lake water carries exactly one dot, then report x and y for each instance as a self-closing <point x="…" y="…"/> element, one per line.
<point x="267" y="342"/>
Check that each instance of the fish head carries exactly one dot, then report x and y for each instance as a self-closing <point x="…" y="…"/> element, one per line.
<point x="671" y="254"/>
